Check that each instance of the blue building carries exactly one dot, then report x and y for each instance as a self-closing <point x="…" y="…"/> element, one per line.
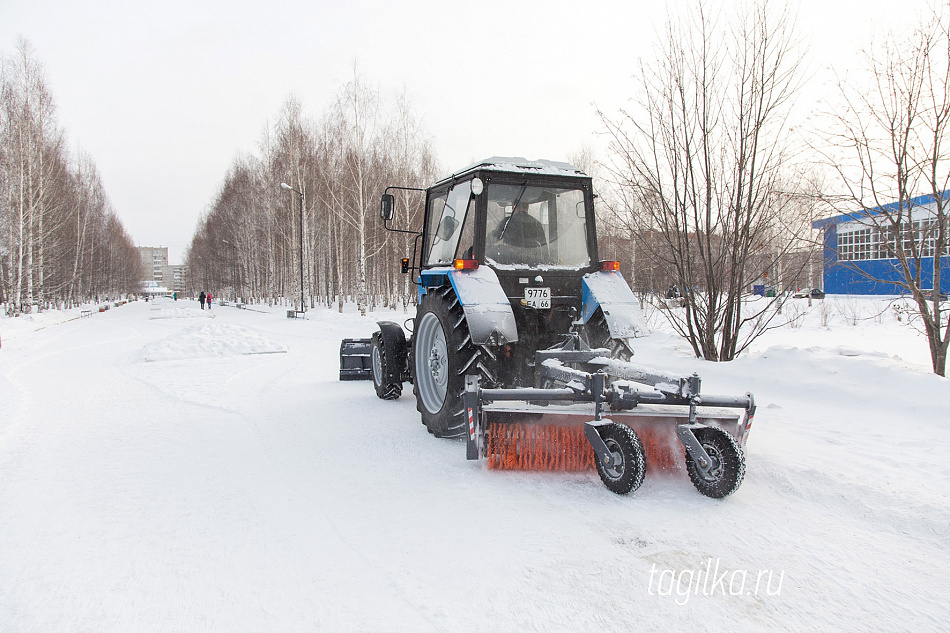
<point x="856" y="259"/>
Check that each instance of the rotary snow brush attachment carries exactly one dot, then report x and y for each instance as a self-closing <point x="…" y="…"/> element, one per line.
<point x="657" y="421"/>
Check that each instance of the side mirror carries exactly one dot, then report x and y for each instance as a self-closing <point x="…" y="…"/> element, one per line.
<point x="387" y="206"/>
<point x="447" y="228"/>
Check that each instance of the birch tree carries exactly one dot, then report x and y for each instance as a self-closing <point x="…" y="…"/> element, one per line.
<point x="341" y="164"/>
<point x="701" y="162"/>
<point x="50" y="210"/>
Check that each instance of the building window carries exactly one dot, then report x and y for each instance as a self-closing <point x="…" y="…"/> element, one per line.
<point x="854" y="245"/>
<point x="927" y="234"/>
<point x="885" y="242"/>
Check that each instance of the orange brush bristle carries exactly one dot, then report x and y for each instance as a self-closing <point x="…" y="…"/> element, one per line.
<point x="538" y="447"/>
<point x="563" y="447"/>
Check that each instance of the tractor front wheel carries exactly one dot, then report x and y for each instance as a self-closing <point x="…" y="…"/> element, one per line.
<point x="385" y="372"/>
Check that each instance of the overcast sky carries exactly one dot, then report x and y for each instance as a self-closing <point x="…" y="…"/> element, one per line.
<point x="162" y="95"/>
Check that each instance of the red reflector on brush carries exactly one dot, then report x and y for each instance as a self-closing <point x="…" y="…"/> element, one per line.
<point x="466" y="264"/>
<point x="610" y="266"/>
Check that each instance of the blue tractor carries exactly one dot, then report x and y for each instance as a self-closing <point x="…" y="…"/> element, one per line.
<point x="515" y="303"/>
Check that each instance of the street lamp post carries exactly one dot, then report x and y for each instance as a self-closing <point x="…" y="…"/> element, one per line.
<point x="284" y="185"/>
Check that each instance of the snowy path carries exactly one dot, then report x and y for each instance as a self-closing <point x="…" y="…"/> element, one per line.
<point x="255" y="492"/>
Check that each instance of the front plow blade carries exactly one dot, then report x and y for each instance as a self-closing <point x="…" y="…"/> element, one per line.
<point x="355" y="363"/>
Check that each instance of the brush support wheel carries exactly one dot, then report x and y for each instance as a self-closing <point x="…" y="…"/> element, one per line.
<point x="625" y="474"/>
<point x="727" y="470"/>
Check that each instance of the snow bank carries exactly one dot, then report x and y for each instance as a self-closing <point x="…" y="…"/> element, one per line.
<point x="22" y="324"/>
<point x="209" y="341"/>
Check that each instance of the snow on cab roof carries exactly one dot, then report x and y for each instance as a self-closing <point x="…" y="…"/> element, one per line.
<point x="518" y="164"/>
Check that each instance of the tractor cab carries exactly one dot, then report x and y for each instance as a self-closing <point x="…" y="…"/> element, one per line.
<point x="511" y="216"/>
<point x="532" y="224"/>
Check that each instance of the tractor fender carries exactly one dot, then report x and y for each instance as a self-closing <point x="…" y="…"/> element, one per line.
<point x="486" y="306"/>
<point x="609" y="291"/>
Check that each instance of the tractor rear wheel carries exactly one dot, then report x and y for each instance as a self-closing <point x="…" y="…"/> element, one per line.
<point x="728" y="464"/>
<point x="385" y="373"/>
<point x="443" y="353"/>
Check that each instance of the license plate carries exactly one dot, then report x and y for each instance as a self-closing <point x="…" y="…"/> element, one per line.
<point x="537" y="298"/>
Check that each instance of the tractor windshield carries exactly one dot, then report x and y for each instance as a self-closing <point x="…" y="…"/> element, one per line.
<point x="536" y="227"/>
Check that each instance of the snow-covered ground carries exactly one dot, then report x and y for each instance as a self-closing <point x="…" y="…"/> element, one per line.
<point x="167" y="468"/>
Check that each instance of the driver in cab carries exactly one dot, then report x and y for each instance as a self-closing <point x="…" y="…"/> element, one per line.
<point x="521" y="229"/>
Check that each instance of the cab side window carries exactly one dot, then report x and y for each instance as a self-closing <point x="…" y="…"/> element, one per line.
<point x="447" y="215"/>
